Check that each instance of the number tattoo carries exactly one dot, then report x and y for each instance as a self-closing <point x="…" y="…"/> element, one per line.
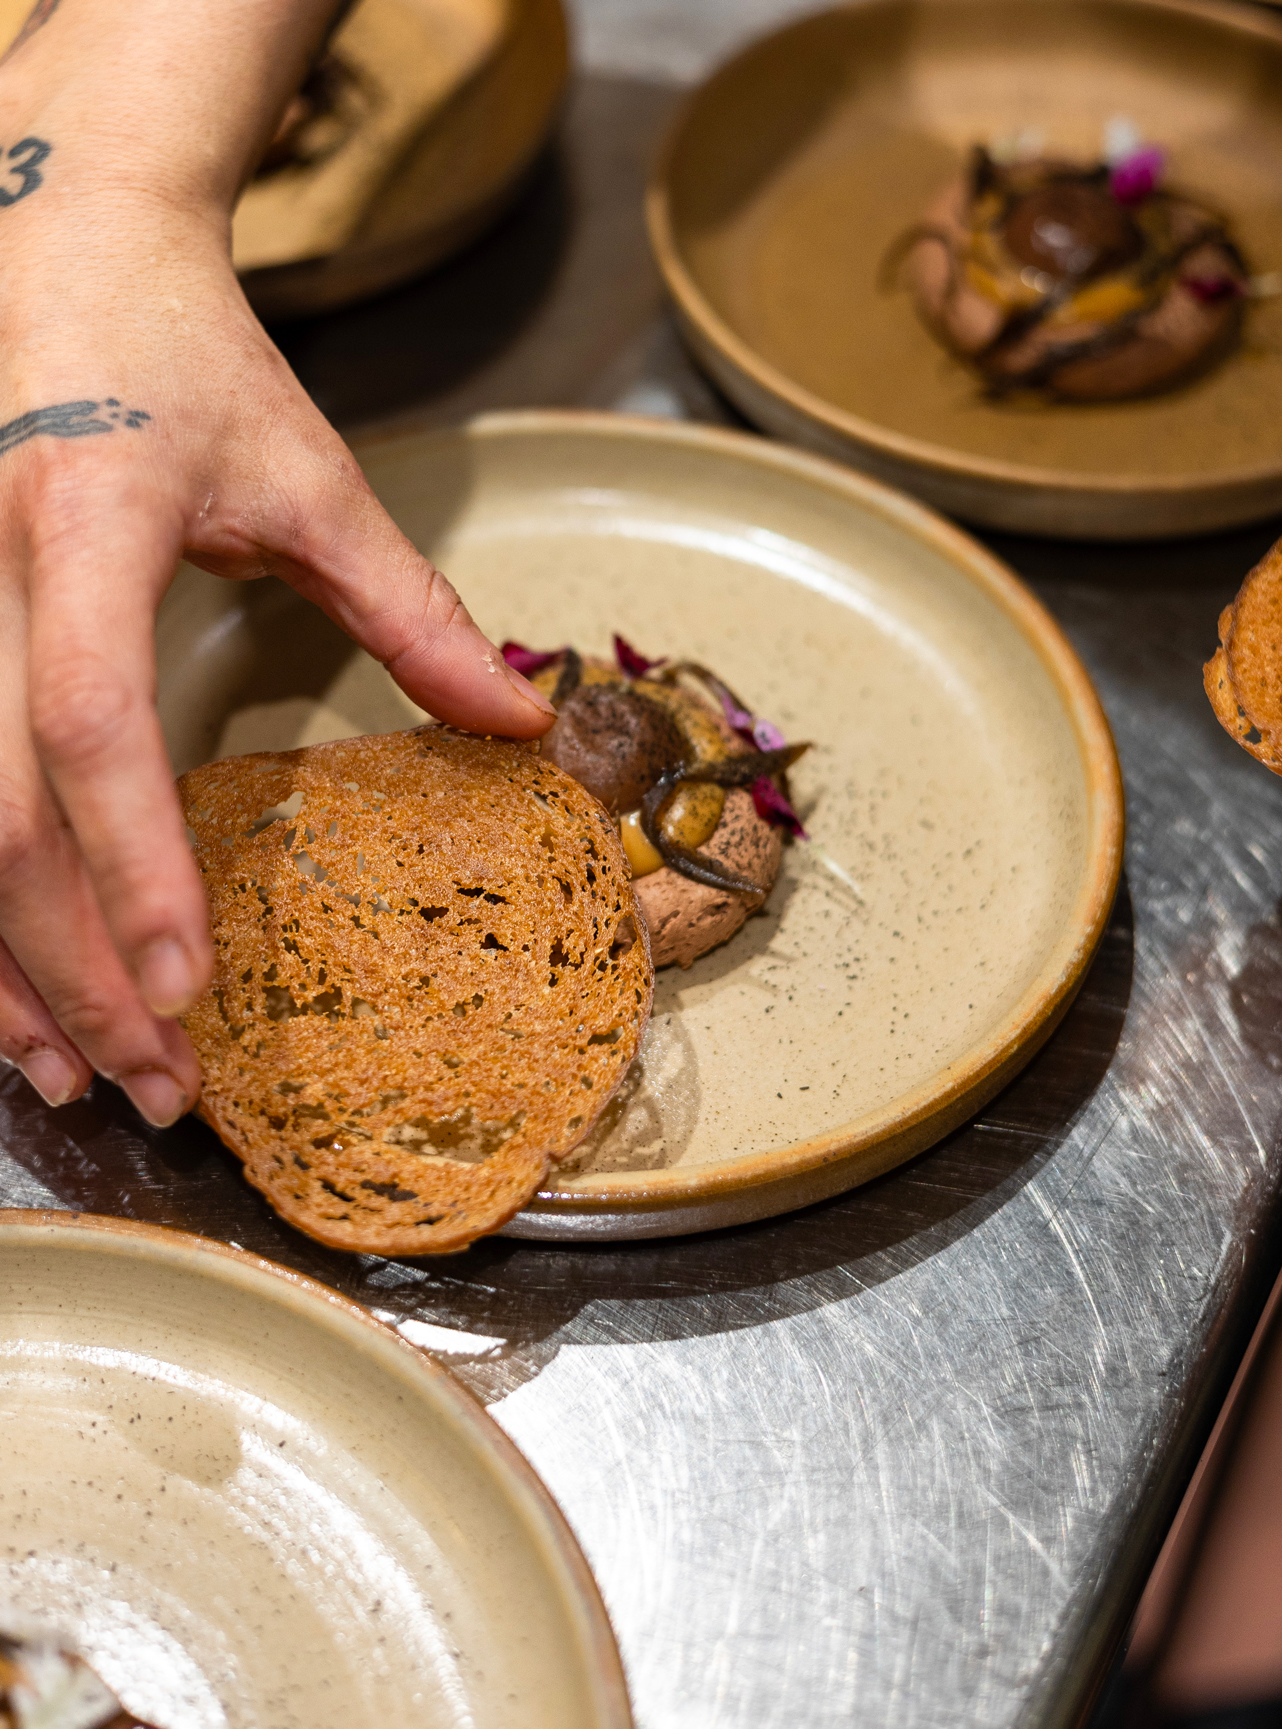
<point x="36" y="151"/>
<point x="70" y="420"/>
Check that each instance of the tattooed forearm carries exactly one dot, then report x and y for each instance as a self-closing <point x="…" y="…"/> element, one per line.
<point x="40" y="14"/>
<point x="70" y="420"/>
<point x="26" y="157"/>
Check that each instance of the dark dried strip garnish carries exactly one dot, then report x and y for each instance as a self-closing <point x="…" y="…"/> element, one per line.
<point x="684" y="859"/>
<point x="570" y="677"/>
<point x="737" y="714"/>
<point x="732" y="771"/>
<point x="743" y="769"/>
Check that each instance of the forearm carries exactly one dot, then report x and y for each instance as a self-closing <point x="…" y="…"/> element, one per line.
<point x="149" y="98"/>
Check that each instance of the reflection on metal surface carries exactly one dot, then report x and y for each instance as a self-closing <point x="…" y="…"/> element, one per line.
<point x="899" y="1455"/>
<point x="896" y="1460"/>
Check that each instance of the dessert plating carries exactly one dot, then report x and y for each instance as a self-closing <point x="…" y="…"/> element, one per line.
<point x="1086" y="282"/>
<point x="699" y="792"/>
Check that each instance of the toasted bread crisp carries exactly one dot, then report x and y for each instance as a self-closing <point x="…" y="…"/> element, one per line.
<point x="1243" y="678"/>
<point x="430" y="979"/>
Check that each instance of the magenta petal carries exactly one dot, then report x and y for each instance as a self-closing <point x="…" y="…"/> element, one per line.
<point x="1209" y="289"/>
<point x="528" y="660"/>
<point x="1138" y="175"/>
<point x="773" y="807"/>
<point x="632" y="664"/>
<point x="736" y="717"/>
<point x="766" y="736"/>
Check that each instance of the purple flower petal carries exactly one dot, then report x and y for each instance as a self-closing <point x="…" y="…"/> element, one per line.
<point x="766" y="736"/>
<point x="773" y="807"/>
<point x="1210" y="289"/>
<point x="1137" y="175"/>
<point x="528" y="660"/>
<point x="737" y="718"/>
<point x="762" y="733"/>
<point x="632" y="664"/>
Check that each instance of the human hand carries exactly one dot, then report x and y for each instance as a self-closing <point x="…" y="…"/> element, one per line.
<point x="147" y="416"/>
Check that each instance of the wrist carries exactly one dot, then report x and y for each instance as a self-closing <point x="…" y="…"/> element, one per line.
<point x="156" y="99"/>
<point x="77" y="155"/>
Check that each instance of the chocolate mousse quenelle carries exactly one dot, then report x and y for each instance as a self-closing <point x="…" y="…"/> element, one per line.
<point x="1088" y="282"/>
<point x="697" y="785"/>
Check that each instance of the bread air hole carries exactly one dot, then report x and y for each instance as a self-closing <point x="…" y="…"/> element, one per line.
<point x="280" y="1004"/>
<point x="625" y="936"/>
<point x="285" y="812"/>
<point x="390" y="1191"/>
<point x="460" y="1137"/>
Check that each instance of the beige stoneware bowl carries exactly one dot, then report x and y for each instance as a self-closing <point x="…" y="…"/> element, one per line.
<point x="793" y="169"/>
<point x="962" y="778"/>
<point x="499" y="69"/>
<point x="249" y="1503"/>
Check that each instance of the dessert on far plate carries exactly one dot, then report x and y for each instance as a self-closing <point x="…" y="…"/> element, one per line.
<point x="696" y="783"/>
<point x="1087" y="281"/>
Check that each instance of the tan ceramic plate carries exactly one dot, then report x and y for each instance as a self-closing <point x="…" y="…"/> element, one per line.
<point x="963" y="776"/>
<point x="793" y="168"/>
<point x="498" y="68"/>
<point x="250" y="1503"/>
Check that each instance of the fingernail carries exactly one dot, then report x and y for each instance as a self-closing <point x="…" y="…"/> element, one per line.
<point x="157" y="1096"/>
<point x="51" y="1075"/>
<point x="165" y="977"/>
<point x="522" y="686"/>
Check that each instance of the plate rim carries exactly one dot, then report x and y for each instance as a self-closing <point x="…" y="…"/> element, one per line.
<point x="696" y="311"/>
<point x="532" y="1501"/>
<point x="1047" y="996"/>
<point x="362" y="266"/>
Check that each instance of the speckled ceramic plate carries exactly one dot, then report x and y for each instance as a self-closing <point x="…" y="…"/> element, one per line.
<point x="962" y="777"/>
<point x="249" y="1503"/>
<point x="793" y="169"/>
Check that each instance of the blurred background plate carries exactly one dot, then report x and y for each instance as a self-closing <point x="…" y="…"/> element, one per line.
<point x="411" y="135"/>
<point x="251" y="1503"/>
<point x="962" y="775"/>
<point x="793" y="168"/>
<point x="436" y="110"/>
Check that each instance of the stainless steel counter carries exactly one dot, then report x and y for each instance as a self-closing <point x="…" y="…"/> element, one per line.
<point x="901" y="1459"/>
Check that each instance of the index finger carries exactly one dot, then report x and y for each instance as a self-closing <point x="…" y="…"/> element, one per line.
<point x="91" y="684"/>
<point x="327" y="535"/>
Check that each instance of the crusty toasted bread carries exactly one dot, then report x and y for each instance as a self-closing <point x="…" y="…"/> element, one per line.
<point x="430" y="979"/>
<point x="1243" y="678"/>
